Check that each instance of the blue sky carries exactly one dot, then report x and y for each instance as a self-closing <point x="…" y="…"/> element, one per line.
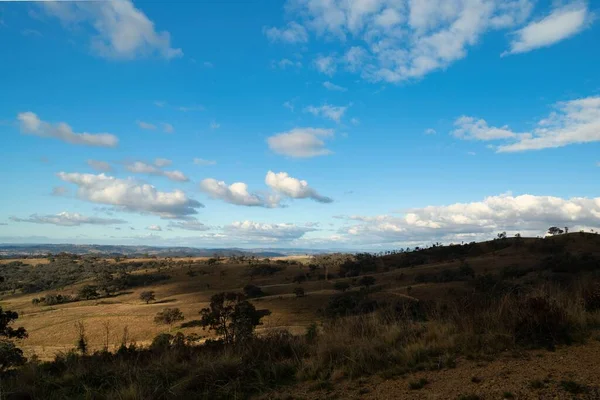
<point x="310" y="123"/>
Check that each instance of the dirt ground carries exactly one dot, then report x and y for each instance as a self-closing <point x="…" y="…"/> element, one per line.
<point x="530" y="375"/>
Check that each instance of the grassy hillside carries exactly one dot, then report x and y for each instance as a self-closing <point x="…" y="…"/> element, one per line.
<point x="426" y="309"/>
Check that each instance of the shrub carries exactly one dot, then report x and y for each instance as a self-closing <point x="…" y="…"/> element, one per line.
<point x="232" y="317"/>
<point x="252" y="291"/>
<point x="341" y="286"/>
<point x="348" y="303"/>
<point x="88" y="292"/>
<point x="366" y="281"/>
<point x="147" y="296"/>
<point x="299" y="292"/>
<point x="416" y="385"/>
<point x="169" y="316"/>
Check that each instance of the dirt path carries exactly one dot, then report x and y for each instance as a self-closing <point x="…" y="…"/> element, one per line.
<point x="533" y="375"/>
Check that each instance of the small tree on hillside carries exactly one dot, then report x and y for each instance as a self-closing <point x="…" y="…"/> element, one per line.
<point x="231" y="316"/>
<point x="554" y="230"/>
<point x="299" y="292"/>
<point x="341" y="286"/>
<point x="253" y="291"/>
<point x="169" y="316"/>
<point x="366" y="281"/>
<point x="147" y="296"/>
<point x="10" y="355"/>
<point x="88" y="292"/>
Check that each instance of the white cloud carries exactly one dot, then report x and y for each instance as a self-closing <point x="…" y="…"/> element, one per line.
<point x="326" y="64"/>
<point x="191" y="108"/>
<point x="59" y="191"/>
<point x="301" y="142"/>
<point x="101" y="166"/>
<point x="395" y="41"/>
<point x="201" y="161"/>
<point x="470" y="128"/>
<point x="168" y="128"/>
<point x="154" y="228"/>
<point x="160" y="104"/>
<point x="31" y="124"/>
<point x="292" y="33"/>
<point x="333" y="87"/>
<point x="334" y="113"/>
<point x="236" y="193"/>
<point x="289" y="105"/>
<point x="355" y="121"/>
<point x="288" y="186"/>
<point x="146" y="125"/>
<point x="208" y="64"/>
<point x="561" y="24"/>
<point x="129" y="195"/>
<point x="284" y="63"/>
<point x="68" y="219"/>
<point x="527" y="214"/>
<point x="191" y="224"/>
<point x="266" y="232"/>
<point x="162" y="162"/>
<point x="575" y="121"/>
<point x="139" y="167"/>
<point x="214" y="125"/>
<point x="121" y="31"/>
<point x="430" y="131"/>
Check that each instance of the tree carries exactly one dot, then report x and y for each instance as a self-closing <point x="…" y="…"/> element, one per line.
<point x="299" y="292"/>
<point x="341" y="286"/>
<point x="10" y="355"/>
<point x="88" y="292"/>
<point x="366" y="281"/>
<point x="253" y="291"/>
<point x="502" y="235"/>
<point x="230" y="315"/>
<point x="169" y="316"/>
<point x="553" y="230"/>
<point x="147" y="296"/>
<point x="566" y="229"/>
<point x="299" y="278"/>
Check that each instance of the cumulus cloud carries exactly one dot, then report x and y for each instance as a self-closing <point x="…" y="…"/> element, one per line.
<point x="266" y="232"/>
<point x="154" y="228"/>
<point x="288" y="186"/>
<point x="68" y="219"/>
<point x="236" y="193"/>
<point x="201" y="161"/>
<point x="139" y="167"/>
<point x="478" y="129"/>
<point x="561" y="24"/>
<point x="32" y="125"/>
<point x="301" y="142"/>
<point x="333" y="87"/>
<point x="334" y="113"/>
<point x="162" y="162"/>
<point x="129" y="195"/>
<point x="527" y="214"/>
<point x="292" y="33"/>
<point x="168" y="128"/>
<point x="100" y="166"/>
<point x="574" y="121"/>
<point x="214" y="125"/>
<point x="191" y="224"/>
<point x="59" y="191"/>
<point x="146" y="125"/>
<point x="430" y="131"/>
<point x="395" y="41"/>
<point x="326" y="64"/>
<point x="121" y="31"/>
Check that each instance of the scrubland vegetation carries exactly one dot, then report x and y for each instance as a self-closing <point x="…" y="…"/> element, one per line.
<point x="385" y="315"/>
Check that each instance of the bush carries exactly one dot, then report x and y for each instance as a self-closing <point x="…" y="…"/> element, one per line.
<point x="341" y="286"/>
<point x="349" y="303"/>
<point x="299" y="292"/>
<point x="169" y="316"/>
<point x="252" y="291"/>
<point x="147" y="296"/>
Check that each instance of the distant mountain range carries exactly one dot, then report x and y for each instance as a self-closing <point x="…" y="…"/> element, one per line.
<point x="17" y="250"/>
